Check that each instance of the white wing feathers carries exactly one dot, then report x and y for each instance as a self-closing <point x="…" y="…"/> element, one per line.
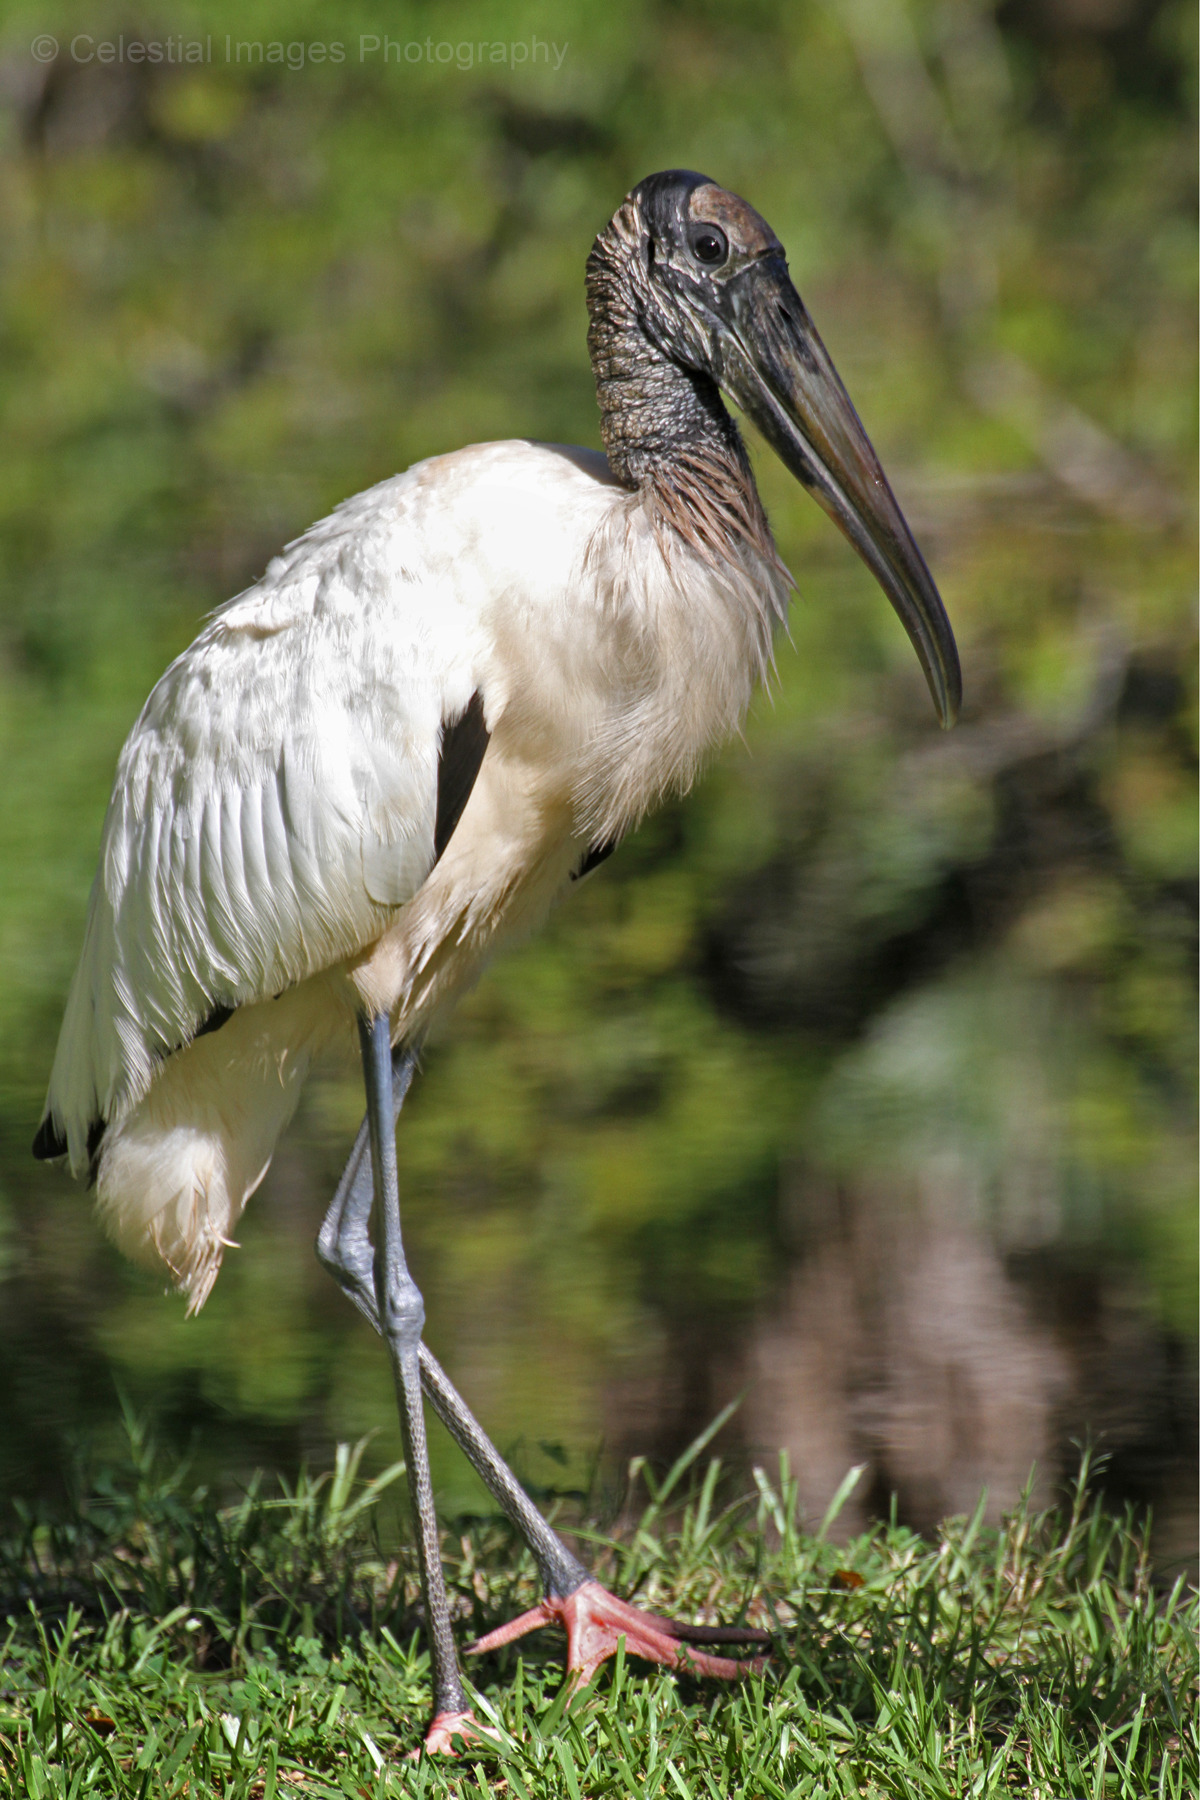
<point x="274" y="801"/>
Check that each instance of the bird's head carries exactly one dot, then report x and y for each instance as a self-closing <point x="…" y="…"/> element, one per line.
<point x="702" y="279"/>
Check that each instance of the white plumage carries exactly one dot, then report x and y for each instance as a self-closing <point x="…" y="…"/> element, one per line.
<point x="269" y="846"/>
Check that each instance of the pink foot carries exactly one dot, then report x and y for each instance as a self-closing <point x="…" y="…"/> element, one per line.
<point x="596" y="1621"/>
<point x="449" y="1731"/>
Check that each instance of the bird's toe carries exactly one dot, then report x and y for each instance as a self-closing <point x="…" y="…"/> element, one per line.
<point x="450" y="1733"/>
<point x="596" y="1621"/>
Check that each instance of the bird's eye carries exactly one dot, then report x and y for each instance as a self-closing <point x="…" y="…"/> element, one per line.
<point x="710" y="246"/>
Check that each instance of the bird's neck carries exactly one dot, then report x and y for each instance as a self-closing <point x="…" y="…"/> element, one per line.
<point x="654" y="412"/>
<point x="664" y="425"/>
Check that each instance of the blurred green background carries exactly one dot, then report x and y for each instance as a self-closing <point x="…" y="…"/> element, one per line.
<point x="862" y="1079"/>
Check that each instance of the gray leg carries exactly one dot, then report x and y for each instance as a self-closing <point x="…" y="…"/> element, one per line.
<point x="344" y="1241"/>
<point x="401" y="1313"/>
<point x="344" y="1248"/>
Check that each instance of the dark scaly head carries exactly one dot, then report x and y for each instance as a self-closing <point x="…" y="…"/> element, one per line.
<point x="688" y="294"/>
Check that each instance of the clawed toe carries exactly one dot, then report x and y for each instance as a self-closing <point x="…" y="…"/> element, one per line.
<point x="449" y="1732"/>
<point x="596" y="1621"/>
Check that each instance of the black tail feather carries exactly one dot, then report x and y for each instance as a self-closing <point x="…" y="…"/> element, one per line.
<point x="48" y="1142"/>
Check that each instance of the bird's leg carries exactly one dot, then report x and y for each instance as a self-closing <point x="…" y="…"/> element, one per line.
<point x="594" y="1619"/>
<point x="344" y="1248"/>
<point x="401" y="1316"/>
<point x="344" y="1241"/>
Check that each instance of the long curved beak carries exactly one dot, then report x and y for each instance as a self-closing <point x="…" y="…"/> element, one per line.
<point x="774" y="365"/>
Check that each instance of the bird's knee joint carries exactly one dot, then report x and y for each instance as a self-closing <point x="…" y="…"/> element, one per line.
<point x="332" y="1254"/>
<point x="403" y="1314"/>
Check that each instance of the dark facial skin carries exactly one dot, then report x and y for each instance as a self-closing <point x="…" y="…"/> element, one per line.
<point x="714" y="295"/>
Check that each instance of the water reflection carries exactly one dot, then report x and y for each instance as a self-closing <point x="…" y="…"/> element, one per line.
<point x="907" y="1342"/>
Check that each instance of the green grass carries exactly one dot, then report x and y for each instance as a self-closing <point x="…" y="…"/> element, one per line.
<point x="160" y="1644"/>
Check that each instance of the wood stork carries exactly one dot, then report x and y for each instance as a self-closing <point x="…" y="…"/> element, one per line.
<point x="394" y="753"/>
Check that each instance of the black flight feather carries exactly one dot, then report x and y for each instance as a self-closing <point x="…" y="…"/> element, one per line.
<point x="463" y="746"/>
<point x="597" y="853"/>
<point x="48" y="1143"/>
<point x="216" y="1018"/>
